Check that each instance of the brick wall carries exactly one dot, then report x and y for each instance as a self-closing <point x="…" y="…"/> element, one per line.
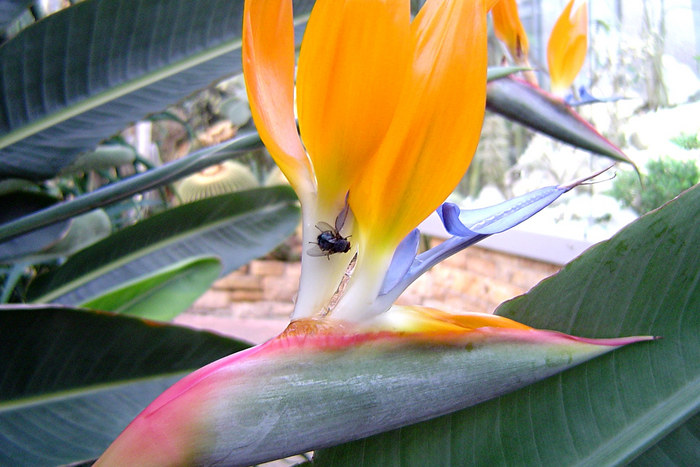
<point x="475" y="279"/>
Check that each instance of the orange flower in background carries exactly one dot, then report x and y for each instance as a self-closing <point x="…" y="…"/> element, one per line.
<point x="568" y="43"/>
<point x="510" y="31"/>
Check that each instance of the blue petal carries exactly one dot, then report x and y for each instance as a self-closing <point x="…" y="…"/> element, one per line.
<point x="403" y="258"/>
<point x="586" y="97"/>
<point x="498" y="218"/>
<point x="467" y="228"/>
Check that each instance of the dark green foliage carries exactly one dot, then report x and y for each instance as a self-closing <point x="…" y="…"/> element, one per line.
<point x="73" y="379"/>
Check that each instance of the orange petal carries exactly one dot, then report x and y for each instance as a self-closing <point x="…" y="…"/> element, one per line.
<point x="430" y="143"/>
<point x="418" y="319"/>
<point x="509" y="29"/>
<point x="567" y="46"/>
<point x="351" y="66"/>
<point x="268" y="66"/>
<point x="403" y="320"/>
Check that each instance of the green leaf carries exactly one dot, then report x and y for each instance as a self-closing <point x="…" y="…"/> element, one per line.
<point x="236" y="110"/>
<point x="74" y="426"/>
<point x="236" y="227"/>
<point x="140" y="183"/>
<point x="103" y="157"/>
<point x="83" y="230"/>
<point x="72" y="380"/>
<point x="11" y="10"/>
<point x="533" y="107"/>
<point x="20" y="203"/>
<point x="680" y="447"/>
<point x="162" y="295"/>
<point x="645" y="280"/>
<point x="498" y="72"/>
<point x="85" y="72"/>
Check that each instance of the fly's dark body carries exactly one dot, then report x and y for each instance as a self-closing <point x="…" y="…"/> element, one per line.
<point x="330" y="241"/>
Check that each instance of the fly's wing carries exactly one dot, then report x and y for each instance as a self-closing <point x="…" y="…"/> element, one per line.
<point x="315" y="250"/>
<point x="340" y="220"/>
<point x="324" y="227"/>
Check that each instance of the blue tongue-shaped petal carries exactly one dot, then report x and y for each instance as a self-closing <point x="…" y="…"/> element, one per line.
<point x="498" y="218"/>
<point x="402" y="261"/>
<point x="585" y="98"/>
<point x="466" y="227"/>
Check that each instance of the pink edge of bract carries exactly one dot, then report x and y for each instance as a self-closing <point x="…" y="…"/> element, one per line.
<point x="614" y="341"/>
<point x="170" y="438"/>
<point x="555" y="337"/>
<point x="561" y="103"/>
<point x="198" y="376"/>
<point x="332" y="341"/>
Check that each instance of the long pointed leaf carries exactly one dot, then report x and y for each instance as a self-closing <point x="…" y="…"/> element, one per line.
<point x="162" y="295"/>
<point x="73" y="426"/>
<point x="140" y="183"/>
<point x="82" y="74"/>
<point x="22" y="203"/>
<point x="645" y="280"/>
<point x="73" y="379"/>
<point x="11" y="9"/>
<point x="236" y="227"/>
<point x="533" y="107"/>
<point x="680" y="447"/>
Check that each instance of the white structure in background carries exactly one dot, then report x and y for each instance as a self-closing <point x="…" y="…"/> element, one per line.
<point x="520" y="241"/>
<point x="586" y="215"/>
<point x="51" y="6"/>
<point x="622" y="19"/>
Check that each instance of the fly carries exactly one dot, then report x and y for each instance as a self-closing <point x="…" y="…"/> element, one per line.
<point x="330" y="241"/>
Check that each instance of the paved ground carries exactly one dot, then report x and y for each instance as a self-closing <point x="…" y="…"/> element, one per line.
<point x="251" y="330"/>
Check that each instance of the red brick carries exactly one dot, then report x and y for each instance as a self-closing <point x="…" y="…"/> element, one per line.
<point x="212" y="299"/>
<point x="240" y="282"/>
<point x="247" y="295"/>
<point x="280" y="288"/>
<point x="267" y="268"/>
